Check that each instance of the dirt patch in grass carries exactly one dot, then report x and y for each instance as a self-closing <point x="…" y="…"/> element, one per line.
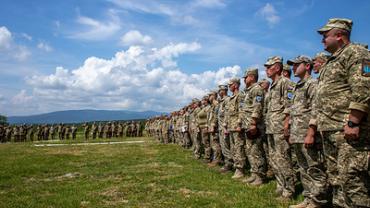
<point x="113" y="196"/>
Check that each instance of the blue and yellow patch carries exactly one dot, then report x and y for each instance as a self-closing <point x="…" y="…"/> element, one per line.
<point x="290" y="95"/>
<point x="258" y="99"/>
<point x="366" y="68"/>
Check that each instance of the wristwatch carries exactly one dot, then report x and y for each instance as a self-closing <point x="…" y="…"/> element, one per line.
<point x="352" y="125"/>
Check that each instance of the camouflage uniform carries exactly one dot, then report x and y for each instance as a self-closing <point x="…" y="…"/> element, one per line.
<point x="206" y="142"/>
<point x="312" y="173"/>
<point x="344" y="86"/>
<point x="213" y="131"/>
<point x="194" y="130"/>
<point x="251" y="111"/>
<point x="279" y="149"/>
<point x="237" y="139"/>
<point x="202" y="126"/>
<point x="223" y="134"/>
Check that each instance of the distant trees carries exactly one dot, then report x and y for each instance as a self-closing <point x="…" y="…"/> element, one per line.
<point x="3" y="119"/>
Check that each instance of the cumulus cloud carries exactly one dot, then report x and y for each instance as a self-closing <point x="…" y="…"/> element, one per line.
<point x="95" y="30"/>
<point x="5" y="38"/>
<point x="269" y="13"/>
<point x="9" y="48"/>
<point x="135" y="79"/>
<point x="44" y="46"/>
<point x="209" y="3"/>
<point x="134" y="37"/>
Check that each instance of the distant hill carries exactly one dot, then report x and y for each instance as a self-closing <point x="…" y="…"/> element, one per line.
<point x="79" y="116"/>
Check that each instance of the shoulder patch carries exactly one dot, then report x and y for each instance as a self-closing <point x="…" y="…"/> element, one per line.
<point x="258" y="99"/>
<point x="366" y="67"/>
<point x="290" y="94"/>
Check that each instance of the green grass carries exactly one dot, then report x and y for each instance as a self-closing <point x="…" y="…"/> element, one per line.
<point x="148" y="174"/>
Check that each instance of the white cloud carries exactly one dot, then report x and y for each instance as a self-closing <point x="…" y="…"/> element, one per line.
<point x="44" y="46"/>
<point x="21" y="98"/>
<point x="9" y="48"/>
<point x="134" y="37"/>
<point x="5" y="38"/>
<point x="95" y="30"/>
<point x="269" y="13"/>
<point x="209" y="3"/>
<point x="135" y="79"/>
<point x="26" y="36"/>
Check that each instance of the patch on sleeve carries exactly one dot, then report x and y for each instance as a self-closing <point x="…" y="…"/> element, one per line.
<point x="258" y="99"/>
<point x="366" y="67"/>
<point x="290" y="94"/>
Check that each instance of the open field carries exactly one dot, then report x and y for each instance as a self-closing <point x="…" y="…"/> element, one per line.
<point x="140" y="174"/>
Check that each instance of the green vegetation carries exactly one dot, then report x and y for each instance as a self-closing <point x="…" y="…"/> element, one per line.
<point x="3" y="119"/>
<point x="145" y="174"/>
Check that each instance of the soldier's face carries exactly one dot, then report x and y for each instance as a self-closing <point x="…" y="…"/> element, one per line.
<point x="271" y="70"/>
<point x="299" y="70"/>
<point x="330" y="40"/>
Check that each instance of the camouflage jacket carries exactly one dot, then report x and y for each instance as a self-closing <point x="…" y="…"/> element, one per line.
<point x="212" y="116"/>
<point x="252" y="105"/>
<point x="202" y="117"/>
<point x="343" y="85"/>
<point x="300" y="112"/>
<point x="193" y="120"/>
<point x="279" y="100"/>
<point x="232" y="112"/>
<point x="221" y="113"/>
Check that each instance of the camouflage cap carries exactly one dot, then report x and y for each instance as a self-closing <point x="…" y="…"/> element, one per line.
<point x="263" y="81"/>
<point x="286" y="67"/>
<point x="205" y="97"/>
<point x="212" y="92"/>
<point x="250" y="71"/>
<point x="222" y="87"/>
<point x="273" y="59"/>
<point x="321" y="55"/>
<point x="300" y="59"/>
<point x="341" y="23"/>
<point x="234" y="80"/>
<point x="194" y="100"/>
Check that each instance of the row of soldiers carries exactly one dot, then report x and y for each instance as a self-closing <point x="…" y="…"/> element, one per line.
<point x="22" y="133"/>
<point x="323" y="124"/>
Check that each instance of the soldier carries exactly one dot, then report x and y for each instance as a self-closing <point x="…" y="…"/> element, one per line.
<point x="277" y="127"/>
<point x="86" y="131"/>
<point x="74" y="131"/>
<point x="202" y="127"/>
<point x="212" y="123"/>
<point x="186" y="136"/>
<point x="100" y="131"/>
<point x="233" y="125"/>
<point x="16" y="133"/>
<point x="2" y="133"/>
<point x="63" y="131"/>
<point x="251" y="115"/>
<point x="60" y="131"/>
<point x="8" y="133"/>
<point x="318" y="61"/>
<point x="342" y="115"/>
<point x="206" y="140"/>
<point x="223" y="135"/>
<point x="312" y="175"/>
<point x="287" y="72"/>
<point x="68" y="132"/>
<point x="194" y="128"/>
<point x="94" y="130"/>
<point x="22" y="132"/>
<point x="52" y="132"/>
<point x="46" y="132"/>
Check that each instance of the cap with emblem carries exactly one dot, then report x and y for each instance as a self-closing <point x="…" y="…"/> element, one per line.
<point x="251" y="71"/>
<point x="274" y="59"/>
<point x="286" y="67"/>
<point x="263" y="81"/>
<point x="300" y="59"/>
<point x="205" y="97"/>
<point x="195" y="100"/>
<point x="234" y="80"/>
<point x="212" y="92"/>
<point x="341" y="23"/>
<point x="321" y="55"/>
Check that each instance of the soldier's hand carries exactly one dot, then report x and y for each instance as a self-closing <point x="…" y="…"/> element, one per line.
<point x="286" y="132"/>
<point x="309" y="140"/>
<point x="253" y="130"/>
<point x="351" y="133"/>
<point x="238" y="129"/>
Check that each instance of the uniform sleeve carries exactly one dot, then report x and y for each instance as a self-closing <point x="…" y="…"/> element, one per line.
<point x="287" y="91"/>
<point x="360" y="84"/>
<point x="258" y="99"/>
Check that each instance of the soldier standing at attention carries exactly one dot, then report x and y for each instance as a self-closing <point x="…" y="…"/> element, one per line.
<point x="86" y="131"/>
<point x="212" y="123"/>
<point x="312" y="175"/>
<point x="74" y="131"/>
<point x="194" y="130"/>
<point x="318" y="61"/>
<point x="202" y="124"/>
<point x="277" y="127"/>
<point x="287" y="73"/>
<point x="223" y="134"/>
<point x="233" y="126"/>
<point x="343" y="120"/>
<point x="251" y="117"/>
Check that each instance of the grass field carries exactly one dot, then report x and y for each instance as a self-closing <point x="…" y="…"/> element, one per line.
<point x="145" y="174"/>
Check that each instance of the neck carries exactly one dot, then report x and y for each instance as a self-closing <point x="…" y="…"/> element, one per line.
<point x="276" y="77"/>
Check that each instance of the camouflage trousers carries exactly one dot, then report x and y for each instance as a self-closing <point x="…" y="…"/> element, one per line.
<point x="279" y="153"/>
<point x="237" y="143"/>
<point x="348" y="169"/>
<point x="186" y="139"/>
<point x="216" y="147"/>
<point x="206" y="141"/>
<point x="312" y="173"/>
<point x="225" y="148"/>
<point x="198" y="147"/>
<point x="256" y="156"/>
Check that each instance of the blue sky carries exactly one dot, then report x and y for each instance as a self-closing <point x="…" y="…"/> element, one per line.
<point x="149" y="54"/>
